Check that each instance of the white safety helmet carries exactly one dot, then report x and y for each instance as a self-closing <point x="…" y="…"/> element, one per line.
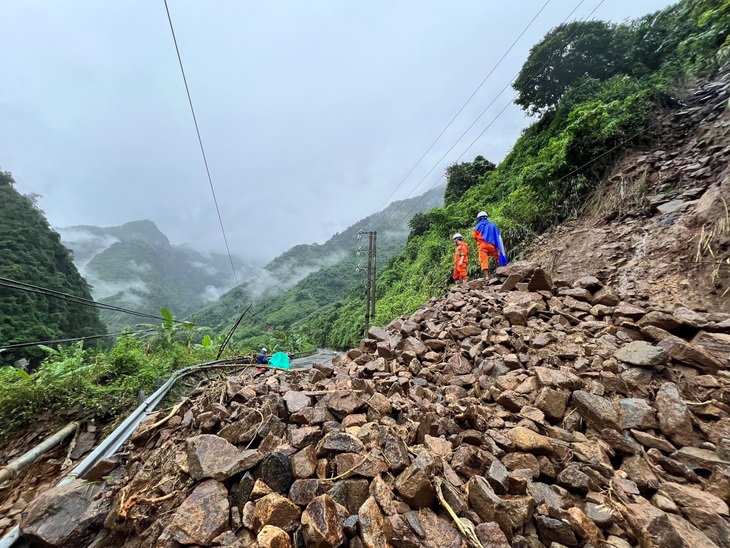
<point x="481" y="214"/>
<point x="263" y="350"/>
<point x="458" y="236"/>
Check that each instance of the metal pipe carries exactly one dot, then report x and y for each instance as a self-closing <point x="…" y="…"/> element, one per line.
<point x="114" y="441"/>
<point x="12" y="468"/>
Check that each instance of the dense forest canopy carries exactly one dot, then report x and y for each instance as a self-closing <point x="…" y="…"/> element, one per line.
<point x="32" y="253"/>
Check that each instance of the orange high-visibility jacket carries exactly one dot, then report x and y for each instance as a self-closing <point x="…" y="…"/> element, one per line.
<point x="461" y="259"/>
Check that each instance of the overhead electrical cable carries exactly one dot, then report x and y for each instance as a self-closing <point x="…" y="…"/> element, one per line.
<point x="576" y="170"/>
<point x="474" y="122"/>
<point x="74" y="339"/>
<point x="30" y="288"/>
<point x="200" y="141"/>
<point x="469" y="100"/>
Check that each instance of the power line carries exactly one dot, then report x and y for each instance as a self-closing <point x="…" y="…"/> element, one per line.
<point x="470" y="98"/>
<point x="576" y="170"/>
<point x="30" y="288"/>
<point x="474" y="122"/>
<point x="200" y="140"/>
<point x="74" y="339"/>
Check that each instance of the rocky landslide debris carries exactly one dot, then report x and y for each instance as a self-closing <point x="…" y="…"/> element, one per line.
<point x="536" y="412"/>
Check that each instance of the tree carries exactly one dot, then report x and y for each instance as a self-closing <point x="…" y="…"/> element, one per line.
<point x="461" y="177"/>
<point x="566" y="55"/>
<point x="32" y="253"/>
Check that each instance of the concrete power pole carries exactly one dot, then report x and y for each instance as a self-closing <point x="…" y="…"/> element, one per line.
<point x="371" y="272"/>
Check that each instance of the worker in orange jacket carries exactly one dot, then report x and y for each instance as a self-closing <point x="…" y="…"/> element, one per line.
<point x="461" y="258"/>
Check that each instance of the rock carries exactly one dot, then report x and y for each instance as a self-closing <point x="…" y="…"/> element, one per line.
<point x="276" y="510"/>
<point x="343" y="402"/>
<point x="414" y="486"/>
<point x="598" y="411"/>
<point x="552" y="402"/>
<point x="636" y="413"/>
<point x="296" y="401"/>
<point x="525" y="439"/>
<point x="482" y="498"/>
<point x="350" y="493"/>
<point x="322" y="523"/>
<point x="651" y="525"/>
<point x="339" y="442"/>
<point x="395" y="453"/>
<point x="555" y="530"/>
<point x="659" y="319"/>
<point x="540" y="281"/>
<point x="210" y="456"/>
<point x="303" y="491"/>
<point x="438" y="533"/>
<point x="674" y="417"/>
<point x="642" y="353"/>
<point x="696" y="356"/>
<point x="491" y="536"/>
<point x="202" y="516"/>
<point x="717" y="344"/>
<point x="273" y="537"/>
<point x="304" y="463"/>
<point x="372" y="529"/>
<point x="65" y="515"/>
<point x="276" y="471"/>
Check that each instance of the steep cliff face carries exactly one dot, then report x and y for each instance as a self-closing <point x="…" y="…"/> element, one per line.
<point x="32" y="253"/>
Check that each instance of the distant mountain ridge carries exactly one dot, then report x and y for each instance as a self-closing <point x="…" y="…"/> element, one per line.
<point x="134" y="265"/>
<point x="309" y="276"/>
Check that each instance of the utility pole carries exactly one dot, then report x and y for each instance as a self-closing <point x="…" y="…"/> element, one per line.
<point x="370" y="285"/>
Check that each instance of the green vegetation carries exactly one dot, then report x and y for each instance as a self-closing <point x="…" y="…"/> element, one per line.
<point x="32" y="253"/>
<point x="74" y="382"/>
<point x="308" y="278"/>
<point x="597" y="89"/>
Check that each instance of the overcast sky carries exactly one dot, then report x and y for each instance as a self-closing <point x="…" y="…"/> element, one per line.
<point x="311" y="112"/>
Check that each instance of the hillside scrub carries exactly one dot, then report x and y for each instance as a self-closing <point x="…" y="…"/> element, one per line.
<point x="593" y="103"/>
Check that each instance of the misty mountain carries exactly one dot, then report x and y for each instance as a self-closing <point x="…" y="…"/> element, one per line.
<point x="135" y="266"/>
<point x="309" y="276"/>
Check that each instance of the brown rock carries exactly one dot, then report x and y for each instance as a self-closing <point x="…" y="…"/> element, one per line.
<point x="598" y="411"/>
<point x="717" y="344"/>
<point x="491" y="536"/>
<point x="296" y="401"/>
<point x="276" y="510"/>
<point x="540" y="281"/>
<point x="342" y="402"/>
<point x="372" y="528"/>
<point x="339" y="442"/>
<point x="696" y="356"/>
<point x="526" y="440"/>
<point x="362" y="465"/>
<point x="395" y="453"/>
<point x="202" y="516"/>
<point x="304" y="462"/>
<point x="674" y="417"/>
<point x="273" y="537"/>
<point x="322" y="523"/>
<point x="65" y="515"/>
<point x="414" y="486"/>
<point x="211" y="456"/>
<point x="659" y="319"/>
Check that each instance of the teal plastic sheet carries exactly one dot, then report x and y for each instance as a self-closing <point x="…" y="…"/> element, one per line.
<point x="280" y="360"/>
